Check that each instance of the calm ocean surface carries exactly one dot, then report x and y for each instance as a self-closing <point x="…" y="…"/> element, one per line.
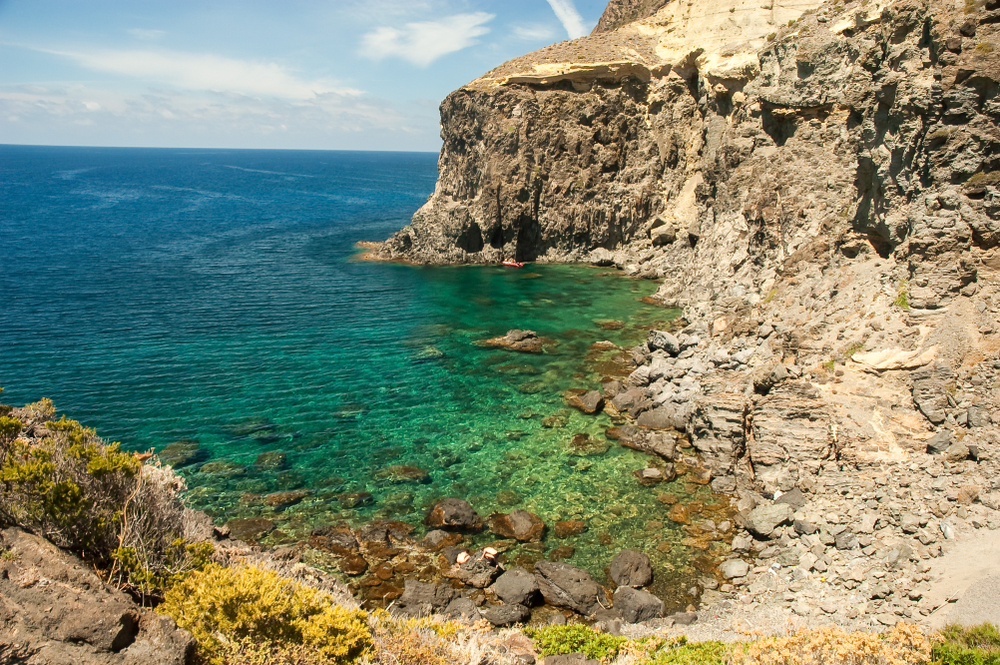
<point x="209" y="297"/>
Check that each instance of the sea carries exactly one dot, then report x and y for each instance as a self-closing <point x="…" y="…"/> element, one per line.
<point x="211" y="306"/>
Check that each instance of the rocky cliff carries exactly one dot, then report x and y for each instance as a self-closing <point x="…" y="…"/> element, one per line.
<point x="716" y="141"/>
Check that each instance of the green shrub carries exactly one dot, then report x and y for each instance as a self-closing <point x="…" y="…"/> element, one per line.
<point x="978" y="645"/>
<point x="66" y="484"/>
<point x="221" y="606"/>
<point x="682" y="652"/>
<point x="902" y="300"/>
<point x="575" y="638"/>
<point x="60" y="480"/>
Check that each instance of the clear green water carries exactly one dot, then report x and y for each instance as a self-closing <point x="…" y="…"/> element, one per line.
<point x="214" y="297"/>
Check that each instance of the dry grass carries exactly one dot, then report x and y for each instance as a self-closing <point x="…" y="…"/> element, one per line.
<point x="905" y="644"/>
<point x="432" y="642"/>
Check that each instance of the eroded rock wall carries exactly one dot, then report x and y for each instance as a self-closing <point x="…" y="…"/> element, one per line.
<point x="852" y="130"/>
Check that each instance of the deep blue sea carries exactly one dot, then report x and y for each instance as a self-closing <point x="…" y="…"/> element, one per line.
<point x="210" y="304"/>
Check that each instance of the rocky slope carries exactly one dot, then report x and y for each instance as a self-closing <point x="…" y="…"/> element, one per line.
<point x="816" y="186"/>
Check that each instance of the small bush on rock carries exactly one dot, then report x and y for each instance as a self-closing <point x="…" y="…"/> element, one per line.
<point x="225" y="607"/>
<point x="575" y="638"/>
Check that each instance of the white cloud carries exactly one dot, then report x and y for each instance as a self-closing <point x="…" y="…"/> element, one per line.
<point x="203" y="71"/>
<point x="533" y="32"/>
<point x="570" y="18"/>
<point x="423" y="42"/>
<point x="211" y="119"/>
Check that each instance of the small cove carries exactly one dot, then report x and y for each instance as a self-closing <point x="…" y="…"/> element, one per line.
<point x="207" y="303"/>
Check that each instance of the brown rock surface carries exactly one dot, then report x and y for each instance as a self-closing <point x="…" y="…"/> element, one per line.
<point x="55" y="611"/>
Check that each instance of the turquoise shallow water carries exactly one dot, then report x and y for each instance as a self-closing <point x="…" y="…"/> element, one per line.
<point x="214" y="298"/>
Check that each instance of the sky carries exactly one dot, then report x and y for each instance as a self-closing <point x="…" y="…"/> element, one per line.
<point x="296" y="74"/>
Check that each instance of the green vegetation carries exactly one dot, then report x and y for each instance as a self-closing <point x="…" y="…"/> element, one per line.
<point x="978" y="645"/>
<point x="222" y="606"/>
<point x="575" y="638"/>
<point x="983" y="48"/>
<point x="902" y="296"/>
<point x="681" y="652"/>
<point x="61" y="481"/>
<point x="984" y="179"/>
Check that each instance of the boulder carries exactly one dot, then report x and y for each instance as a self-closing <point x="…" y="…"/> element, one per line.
<point x="337" y="539"/>
<point x="402" y="473"/>
<point x="662" y="340"/>
<point x="793" y="497"/>
<point x="957" y="452"/>
<point x="636" y="605"/>
<point x="631" y="568"/>
<point x="249" y="529"/>
<point x="563" y="585"/>
<point x="516" y="587"/>
<point x="479" y="571"/>
<point x="462" y="609"/>
<point x="590" y="402"/>
<point x="507" y="615"/>
<point x="662" y="444"/>
<point x="518" y="524"/>
<point x="454" y="514"/>
<point x="662" y="417"/>
<point x="929" y="390"/>
<point x="733" y="568"/>
<point x="763" y="519"/>
<point x="422" y="599"/>
<point x="939" y="442"/>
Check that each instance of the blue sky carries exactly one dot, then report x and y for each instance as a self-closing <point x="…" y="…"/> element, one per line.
<point x="338" y="75"/>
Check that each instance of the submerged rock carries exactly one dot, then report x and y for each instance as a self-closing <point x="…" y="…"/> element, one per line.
<point x="567" y="528"/>
<point x="402" y="473"/>
<point x="249" y="529"/>
<point x="631" y="568"/>
<point x="454" y="514"/>
<point x="519" y="524"/>
<point x="523" y="341"/>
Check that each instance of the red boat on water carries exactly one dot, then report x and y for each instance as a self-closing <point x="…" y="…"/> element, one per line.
<point x="513" y="264"/>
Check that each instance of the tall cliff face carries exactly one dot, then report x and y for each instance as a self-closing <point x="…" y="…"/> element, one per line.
<point x="720" y="143"/>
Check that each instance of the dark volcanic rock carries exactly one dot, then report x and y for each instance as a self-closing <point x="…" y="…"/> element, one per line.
<point x="516" y="586"/>
<point x="455" y="514"/>
<point x="636" y="605"/>
<point x="507" y="615"/>
<point x="479" y="571"/>
<point x="631" y="568"/>
<point x="420" y="599"/>
<point x="763" y="519"/>
<point x="519" y="524"/>
<point x="564" y="585"/>
<point x="463" y="609"/>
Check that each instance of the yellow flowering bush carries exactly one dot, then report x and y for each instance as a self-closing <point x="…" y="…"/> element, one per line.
<point x="225" y="607"/>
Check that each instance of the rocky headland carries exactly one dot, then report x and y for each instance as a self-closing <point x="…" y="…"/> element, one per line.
<point x="814" y="185"/>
